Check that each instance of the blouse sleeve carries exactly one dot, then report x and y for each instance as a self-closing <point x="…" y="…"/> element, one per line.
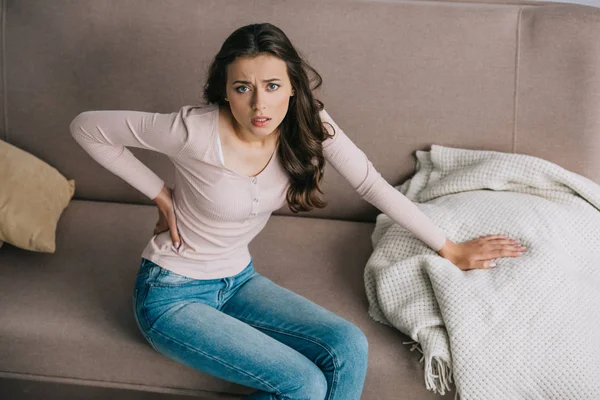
<point x="352" y="163"/>
<point x="105" y="134"/>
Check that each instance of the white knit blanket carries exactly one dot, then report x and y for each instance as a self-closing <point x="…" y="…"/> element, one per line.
<point x="528" y="329"/>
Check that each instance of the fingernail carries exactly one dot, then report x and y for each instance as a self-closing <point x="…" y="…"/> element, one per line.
<point x="520" y="253"/>
<point x="177" y="245"/>
<point x="492" y="265"/>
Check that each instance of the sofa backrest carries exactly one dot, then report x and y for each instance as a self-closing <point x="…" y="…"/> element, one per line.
<point x="397" y="77"/>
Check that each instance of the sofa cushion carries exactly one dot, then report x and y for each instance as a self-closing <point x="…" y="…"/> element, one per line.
<point x="69" y="314"/>
<point x="33" y="196"/>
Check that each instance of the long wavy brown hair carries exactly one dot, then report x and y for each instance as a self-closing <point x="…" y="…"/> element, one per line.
<point x="301" y="132"/>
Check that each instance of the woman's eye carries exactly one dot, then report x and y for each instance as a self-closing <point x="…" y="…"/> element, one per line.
<point x="273" y="88"/>
<point x="241" y="87"/>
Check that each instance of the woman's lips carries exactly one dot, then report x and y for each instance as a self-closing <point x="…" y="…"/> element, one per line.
<point x="260" y="121"/>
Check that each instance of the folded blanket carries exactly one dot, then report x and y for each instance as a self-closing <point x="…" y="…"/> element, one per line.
<point x="527" y="329"/>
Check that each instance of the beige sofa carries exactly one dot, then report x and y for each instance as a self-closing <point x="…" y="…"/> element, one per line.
<point x="509" y="76"/>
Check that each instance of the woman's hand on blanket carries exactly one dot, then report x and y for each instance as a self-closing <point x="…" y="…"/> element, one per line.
<point x="480" y="253"/>
<point x="166" y="216"/>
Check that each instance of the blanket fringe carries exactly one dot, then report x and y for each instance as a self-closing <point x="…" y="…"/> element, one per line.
<point x="438" y="374"/>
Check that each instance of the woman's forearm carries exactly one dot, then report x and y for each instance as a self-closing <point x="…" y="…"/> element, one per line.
<point x="163" y="196"/>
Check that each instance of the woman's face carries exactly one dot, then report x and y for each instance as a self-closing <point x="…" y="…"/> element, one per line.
<point x="258" y="87"/>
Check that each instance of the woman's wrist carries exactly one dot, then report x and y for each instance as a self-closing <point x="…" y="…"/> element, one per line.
<point x="448" y="250"/>
<point x="163" y="196"/>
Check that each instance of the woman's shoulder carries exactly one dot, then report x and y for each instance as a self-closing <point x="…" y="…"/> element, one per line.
<point x="200" y="117"/>
<point x="201" y="124"/>
<point x="198" y="110"/>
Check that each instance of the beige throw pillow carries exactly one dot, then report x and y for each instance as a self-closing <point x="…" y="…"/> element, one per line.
<point x="33" y="196"/>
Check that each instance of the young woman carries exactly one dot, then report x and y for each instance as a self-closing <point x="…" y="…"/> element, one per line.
<point x="261" y="142"/>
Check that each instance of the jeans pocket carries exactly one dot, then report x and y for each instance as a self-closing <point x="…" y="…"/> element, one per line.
<point x="167" y="278"/>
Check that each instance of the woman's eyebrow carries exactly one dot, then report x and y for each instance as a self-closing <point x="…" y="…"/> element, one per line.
<point x="265" y="80"/>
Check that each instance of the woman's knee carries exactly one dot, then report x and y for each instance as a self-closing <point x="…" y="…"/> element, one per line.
<point x="350" y="343"/>
<point x="312" y="385"/>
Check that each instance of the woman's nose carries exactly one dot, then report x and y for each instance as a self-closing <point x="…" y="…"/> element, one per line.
<point x="258" y="102"/>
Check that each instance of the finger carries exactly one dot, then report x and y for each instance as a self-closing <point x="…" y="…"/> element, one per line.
<point x="179" y="237"/>
<point x="176" y="241"/>
<point x="506" y="252"/>
<point x="508" y="247"/>
<point x="174" y="231"/>
<point x="481" y="264"/>
<point x="502" y="242"/>
<point x="488" y="264"/>
<point x="497" y="251"/>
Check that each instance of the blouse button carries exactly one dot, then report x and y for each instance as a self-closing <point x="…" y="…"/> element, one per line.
<point x="255" y="200"/>
<point x="253" y="214"/>
<point x="253" y="180"/>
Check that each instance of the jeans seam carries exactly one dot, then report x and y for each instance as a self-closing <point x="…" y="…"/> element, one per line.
<point x="294" y="334"/>
<point x="142" y="329"/>
<point x="142" y="303"/>
<point x="277" y="392"/>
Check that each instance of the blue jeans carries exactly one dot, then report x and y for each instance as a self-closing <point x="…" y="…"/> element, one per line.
<point x="248" y="330"/>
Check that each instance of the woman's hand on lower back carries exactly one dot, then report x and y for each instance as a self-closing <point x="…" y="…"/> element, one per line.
<point x="166" y="215"/>
<point x="480" y="253"/>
